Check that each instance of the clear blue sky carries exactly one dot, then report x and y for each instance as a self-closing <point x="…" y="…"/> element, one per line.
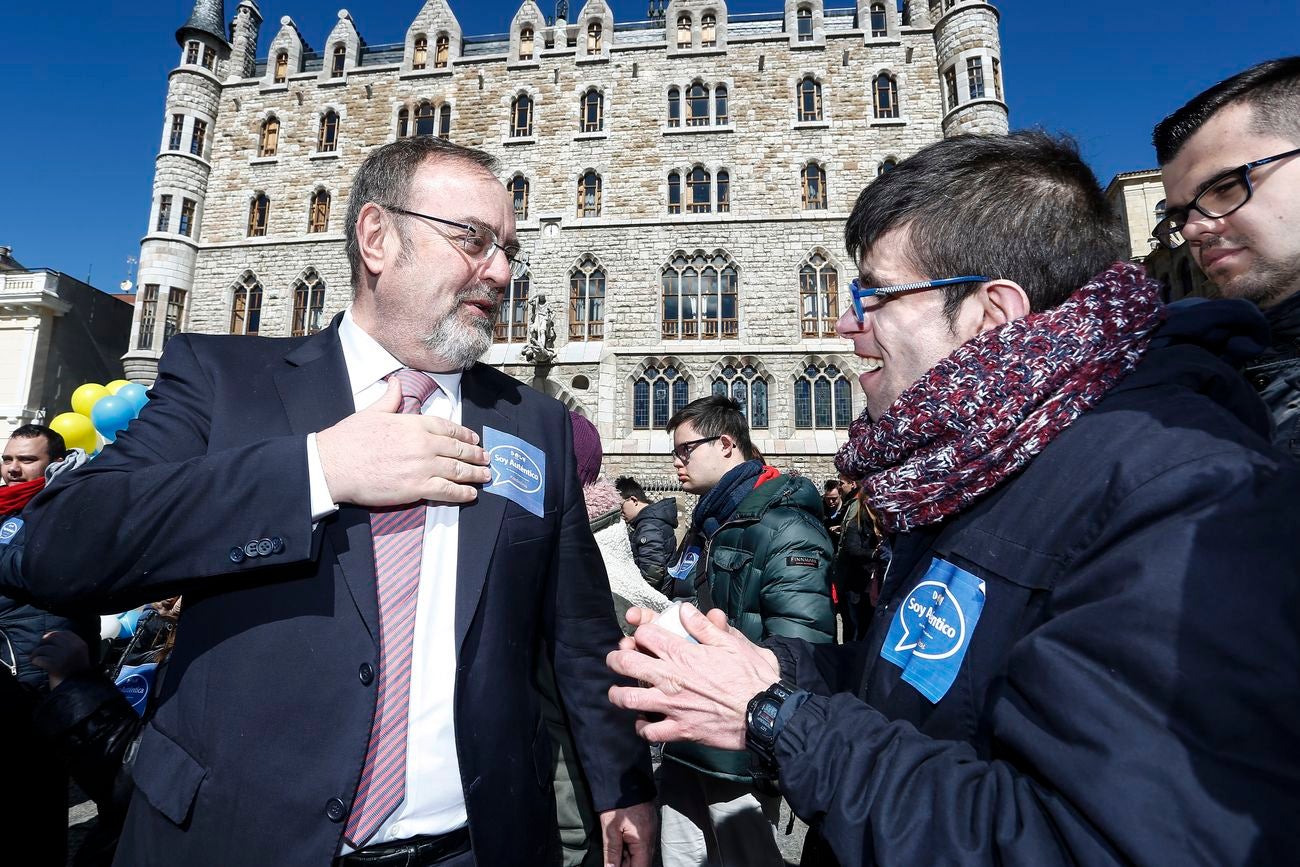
<point x="82" y="86"/>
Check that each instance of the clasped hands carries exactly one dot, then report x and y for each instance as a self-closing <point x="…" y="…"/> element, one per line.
<point x="700" y="690"/>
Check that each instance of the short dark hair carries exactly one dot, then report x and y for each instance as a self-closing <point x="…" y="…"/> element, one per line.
<point x="716" y="416"/>
<point x="630" y="489"/>
<point x="830" y="485"/>
<point x="385" y="179"/>
<point x="1271" y="88"/>
<point x="1022" y="207"/>
<point x="53" y="439"/>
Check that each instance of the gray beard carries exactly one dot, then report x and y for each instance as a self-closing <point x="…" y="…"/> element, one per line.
<point x="461" y="345"/>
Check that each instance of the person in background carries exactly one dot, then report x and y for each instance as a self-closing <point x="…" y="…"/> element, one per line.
<point x="651" y="528"/>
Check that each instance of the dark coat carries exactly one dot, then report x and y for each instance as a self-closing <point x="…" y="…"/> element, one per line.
<point x="1275" y="374"/>
<point x="1129" y="692"/>
<point x="257" y="745"/>
<point x="653" y="539"/>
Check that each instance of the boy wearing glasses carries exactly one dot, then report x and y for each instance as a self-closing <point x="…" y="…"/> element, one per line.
<point x="1231" y="164"/>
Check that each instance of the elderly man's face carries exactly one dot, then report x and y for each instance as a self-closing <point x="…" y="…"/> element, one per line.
<point x="24" y="460"/>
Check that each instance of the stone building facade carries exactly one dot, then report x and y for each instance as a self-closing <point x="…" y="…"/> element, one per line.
<point x="681" y="186"/>
<point x="1138" y="198"/>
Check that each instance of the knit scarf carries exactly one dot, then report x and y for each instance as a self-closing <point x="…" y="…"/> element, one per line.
<point x="15" y="497"/>
<point x="986" y="410"/>
<point x="719" y="504"/>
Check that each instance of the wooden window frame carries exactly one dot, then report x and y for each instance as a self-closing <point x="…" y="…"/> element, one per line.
<point x="890" y="89"/>
<point x="420" y="52"/>
<point x="698" y="96"/>
<point x="808" y="85"/>
<point x="708" y="30"/>
<point x="879" y="27"/>
<point x="696" y="179"/>
<point x="512" y="311"/>
<point x="338" y="60"/>
<point x="444" y="121"/>
<point x="524" y="129"/>
<point x="164" y="213"/>
<point x="259" y="215"/>
<point x="246" y="307"/>
<point x="975" y="77"/>
<point x="185" y="224"/>
<point x="818" y="281"/>
<point x="722" y="190"/>
<point x="683" y="31"/>
<point x="177" y="134"/>
<point x="327" y="140"/>
<point x="281" y="74"/>
<point x="595" y="37"/>
<point x="721" y="105"/>
<point x="816" y="202"/>
<point x="318" y="212"/>
<point x="192" y="53"/>
<point x="441" y="51"/>
<point x="519" y="196"/>
<point x="674" y="107"/>
<point x="997" y="78"/>
<point x="688" y="275"/>
<point x="804" y="24"/>
<point x="425" y="118"/>
<point x="674" y="192"/>
<point x="308" y="304"/>
<point x="403" y="122"/>
<point x="148" y="304"/>
<point x="268" y="144"/>
<point x="592" y="99"/>
<point x="589" y="187"/>
<point x="950" y="86"/>
<point x="199" y="137"/>
<point x="209" y="61"/>
<point x="586" y="276"/>
<point x="526" y="43"/>
<point x="175" y="313"/>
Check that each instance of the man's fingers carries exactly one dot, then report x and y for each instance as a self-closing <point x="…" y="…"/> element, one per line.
<point x="635" y="665"/>
<point x="657" y="732"/>
<point x="440" y="426"/>
<point x="440" y="490"/>
<point x="638" y="698"/>
<point x="640" y="616"/>
<point x="702" y="628"/>
<point x="391" y="401"/>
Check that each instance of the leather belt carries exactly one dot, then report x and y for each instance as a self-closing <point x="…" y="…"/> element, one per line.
<point x="414" y="852"/>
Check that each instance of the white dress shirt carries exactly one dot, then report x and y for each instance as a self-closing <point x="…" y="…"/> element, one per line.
<point x="435" y="801"/>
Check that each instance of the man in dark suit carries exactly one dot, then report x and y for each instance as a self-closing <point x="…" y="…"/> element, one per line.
<point x="352" y="682"/>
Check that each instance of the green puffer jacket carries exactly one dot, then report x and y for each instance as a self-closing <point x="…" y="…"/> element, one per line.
<point x="769" y="568"/>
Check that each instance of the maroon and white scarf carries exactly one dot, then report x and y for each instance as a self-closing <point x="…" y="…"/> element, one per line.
<point x="982" y="413"/>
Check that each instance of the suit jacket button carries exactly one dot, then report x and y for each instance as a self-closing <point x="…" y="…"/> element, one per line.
<point x="277" y="544"/>
<point x="264" y="548"/>
<point x="367" y="673"/>
<point x="336" y="810"/>
<point x="250" y="549"/>
<point x="236" y="555"/>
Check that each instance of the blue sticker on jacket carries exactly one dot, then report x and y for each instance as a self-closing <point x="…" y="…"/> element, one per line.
<point x="9" y="529"/>
<point x="518" y="470"/>
<point x="929" y="637"/>
<point x="136" y="682"/>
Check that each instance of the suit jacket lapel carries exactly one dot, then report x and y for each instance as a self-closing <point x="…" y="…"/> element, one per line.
<point x="317" y="393"/>
<point x="480" y="521"/>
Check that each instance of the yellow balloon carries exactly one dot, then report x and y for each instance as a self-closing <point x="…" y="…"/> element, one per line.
<point x="77" y="431"/>
<point x="116" y="384"/>
<point x="86" y="396"/>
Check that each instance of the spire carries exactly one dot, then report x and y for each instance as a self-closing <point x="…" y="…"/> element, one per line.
<point x="208" y="17"/>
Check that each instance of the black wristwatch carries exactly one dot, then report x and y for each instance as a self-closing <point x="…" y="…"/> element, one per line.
<point x="765" y="717"/>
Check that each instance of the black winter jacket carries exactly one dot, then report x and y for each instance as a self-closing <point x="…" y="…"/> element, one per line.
<point x="653" y="540"/>
<point x="1128" y="694"/>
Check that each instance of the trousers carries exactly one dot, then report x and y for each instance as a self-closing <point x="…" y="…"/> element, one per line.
<point x="710" y="822"/>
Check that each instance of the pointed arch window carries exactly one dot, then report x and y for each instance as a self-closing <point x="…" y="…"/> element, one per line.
<point x="823" y="399"/>
<point x="593" y="111"/>
<point x="659" y="392"/>
<point x="521" y="116"/>
<point x="420" y="52"/>
<point x="444" y="121"/>
<point x="587" y="300"/>
<point x="281" y="67"/>
<point x="879" y="25"/>
<point x="819" y="298"/>
<point x="512" y="311"/>
<point x="308" y="304"/>
<point x="338" y="60"/>
<point x="708" y="30"/>
<point x="269" y="142"/>
<point x="674" y="192"/>
<point x="259" y="214"/>
<point x="594" y="36"/>
<point x="700" y="297"/>
<point x="327" y="140"/>
<point x="683" y="31"/>
<point x="697" y="105"/>
<point x="589" y="194"/>
<point x="720" y="115"/>
<point x="814" y="187"/>
<point x="246" y="306"/>
<point x="747" y="387"/>
<point x="722" y="185"/>
<point x="810" y="99"/>
<point x="804" y="24"/>
<point x="318" y="219"/>
<point x="441" y="51"/>
<point x="526" y="44"/>
<point x="885" y="95"/>
<point x="698" y="192"/>
<point x="424" y="118"/>
<point x="519" y="193"/>
<point x="674" y="107"/>
<point x="403" y="122"/>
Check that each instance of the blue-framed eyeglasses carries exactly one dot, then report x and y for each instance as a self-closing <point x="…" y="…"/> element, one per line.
<point x="857" y="291"/>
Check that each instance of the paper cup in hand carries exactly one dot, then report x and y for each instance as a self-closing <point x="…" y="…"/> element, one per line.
<point x="671" y="619"/>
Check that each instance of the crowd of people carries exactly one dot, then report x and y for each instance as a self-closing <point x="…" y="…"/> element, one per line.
<point x="1045" y="614"/>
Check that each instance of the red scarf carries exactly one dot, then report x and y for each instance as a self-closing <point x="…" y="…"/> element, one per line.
<point x="986" y="410"/>
<point x="15" y="497"/>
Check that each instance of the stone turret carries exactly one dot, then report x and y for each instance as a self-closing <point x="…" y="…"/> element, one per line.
<point x="207" y="18"/>
<point x="969" y="53"/>
<point x="243" y="38"/>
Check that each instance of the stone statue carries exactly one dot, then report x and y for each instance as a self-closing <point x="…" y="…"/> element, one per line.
<point x="541" y="331"/>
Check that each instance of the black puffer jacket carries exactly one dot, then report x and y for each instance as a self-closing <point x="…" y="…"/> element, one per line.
<point x="1128" y="692"/>
<point x="653" y="539"/>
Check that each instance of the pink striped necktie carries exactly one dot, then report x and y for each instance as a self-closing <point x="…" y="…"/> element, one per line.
<point x="398" y="534"/>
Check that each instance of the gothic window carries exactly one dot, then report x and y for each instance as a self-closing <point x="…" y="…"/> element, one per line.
<point x="424" y="118"/>
<point x="338" y="59"/>
<point x="269" y="142"/>
<point x="708" y="30"/>
<point x="804" y="24"/>
<point x="403" y="122"/>
<point x="819" y="300"/>
<point x="191" y="53"/>
<point x="209" y="57"/>
<point x="178" y="128"/>
<point x="328" y="138"/>
<point x="747" y="387"/>
<point x="420" y="57"/>
<point x="593" y="111"/>
<point x="526" y="44"/>
<point x="318" y="219"/>
<point x="997" y="79"/>
<point x="198" y="137"/>
<point x="674" y="192"/>
<point x="246" y="306"/>
<point x="975" y="76"/>
<point x="589" y="195"/>
<point x="593" y="37"/>
<point x="441" y="51"/>
<point x="810" y="99"/>
<point x="698" y="194"/>
<point x="259" y="212"/>
<point x="722" y="184"/>
<point x="674" y="107"/>
<point x="308" y="304"/>
<point x="700" y="297"/>
<point x="720" y="105"/>
<point x="186" y="226"/>
<point x="683" y="31"/>
<point x="444" y="121"/>
<point x="519" y="193"/>
<point x="148" y="304"/>
<point x="657" y="394"/>
<point x="512" y="311"/>
<point x="587" y="300"/>
<point x="697" y="105"/>
<point x="281" y="67"/>
<point x="885" y="95"/>
<point x="521" y="116"/>
<point x="823" y="399"/>
<point x="878" y="24"/>
<point x="814" y="187"/>
<point x="175" y="313"/>
<point x="950" y="86"/>
<point x="164" y="213"/>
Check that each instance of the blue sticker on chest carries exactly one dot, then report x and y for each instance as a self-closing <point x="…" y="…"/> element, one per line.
<point x="9" y="529"/>
<point x="518" y="470"/>
<point x="929" y="637"/>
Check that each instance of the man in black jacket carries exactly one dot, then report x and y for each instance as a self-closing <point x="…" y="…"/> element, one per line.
<point x="1085" y="650"/>
<point x="651" y="528"/>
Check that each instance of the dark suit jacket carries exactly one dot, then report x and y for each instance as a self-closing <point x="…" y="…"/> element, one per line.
<point x="257" y="745"/>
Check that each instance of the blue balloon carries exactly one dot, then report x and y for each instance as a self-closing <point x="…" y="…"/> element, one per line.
<point x="110" y="415"/>
<point x="135" y="394"/>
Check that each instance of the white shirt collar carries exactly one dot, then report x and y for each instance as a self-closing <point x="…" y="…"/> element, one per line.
<point x="368" y="362"/>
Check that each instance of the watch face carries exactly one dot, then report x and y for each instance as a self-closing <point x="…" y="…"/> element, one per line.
<point x="765" y="715"/>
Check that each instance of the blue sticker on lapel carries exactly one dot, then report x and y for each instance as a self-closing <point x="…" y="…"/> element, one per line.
<point x="932" y="631"/>
<point x="518" y="470"/>
<point x="9" y="529"/>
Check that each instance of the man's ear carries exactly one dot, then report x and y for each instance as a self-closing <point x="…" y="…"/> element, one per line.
<point x="372" y="231"/>
<point x="728" y="444"/>
<point x="1000" y="302"/>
